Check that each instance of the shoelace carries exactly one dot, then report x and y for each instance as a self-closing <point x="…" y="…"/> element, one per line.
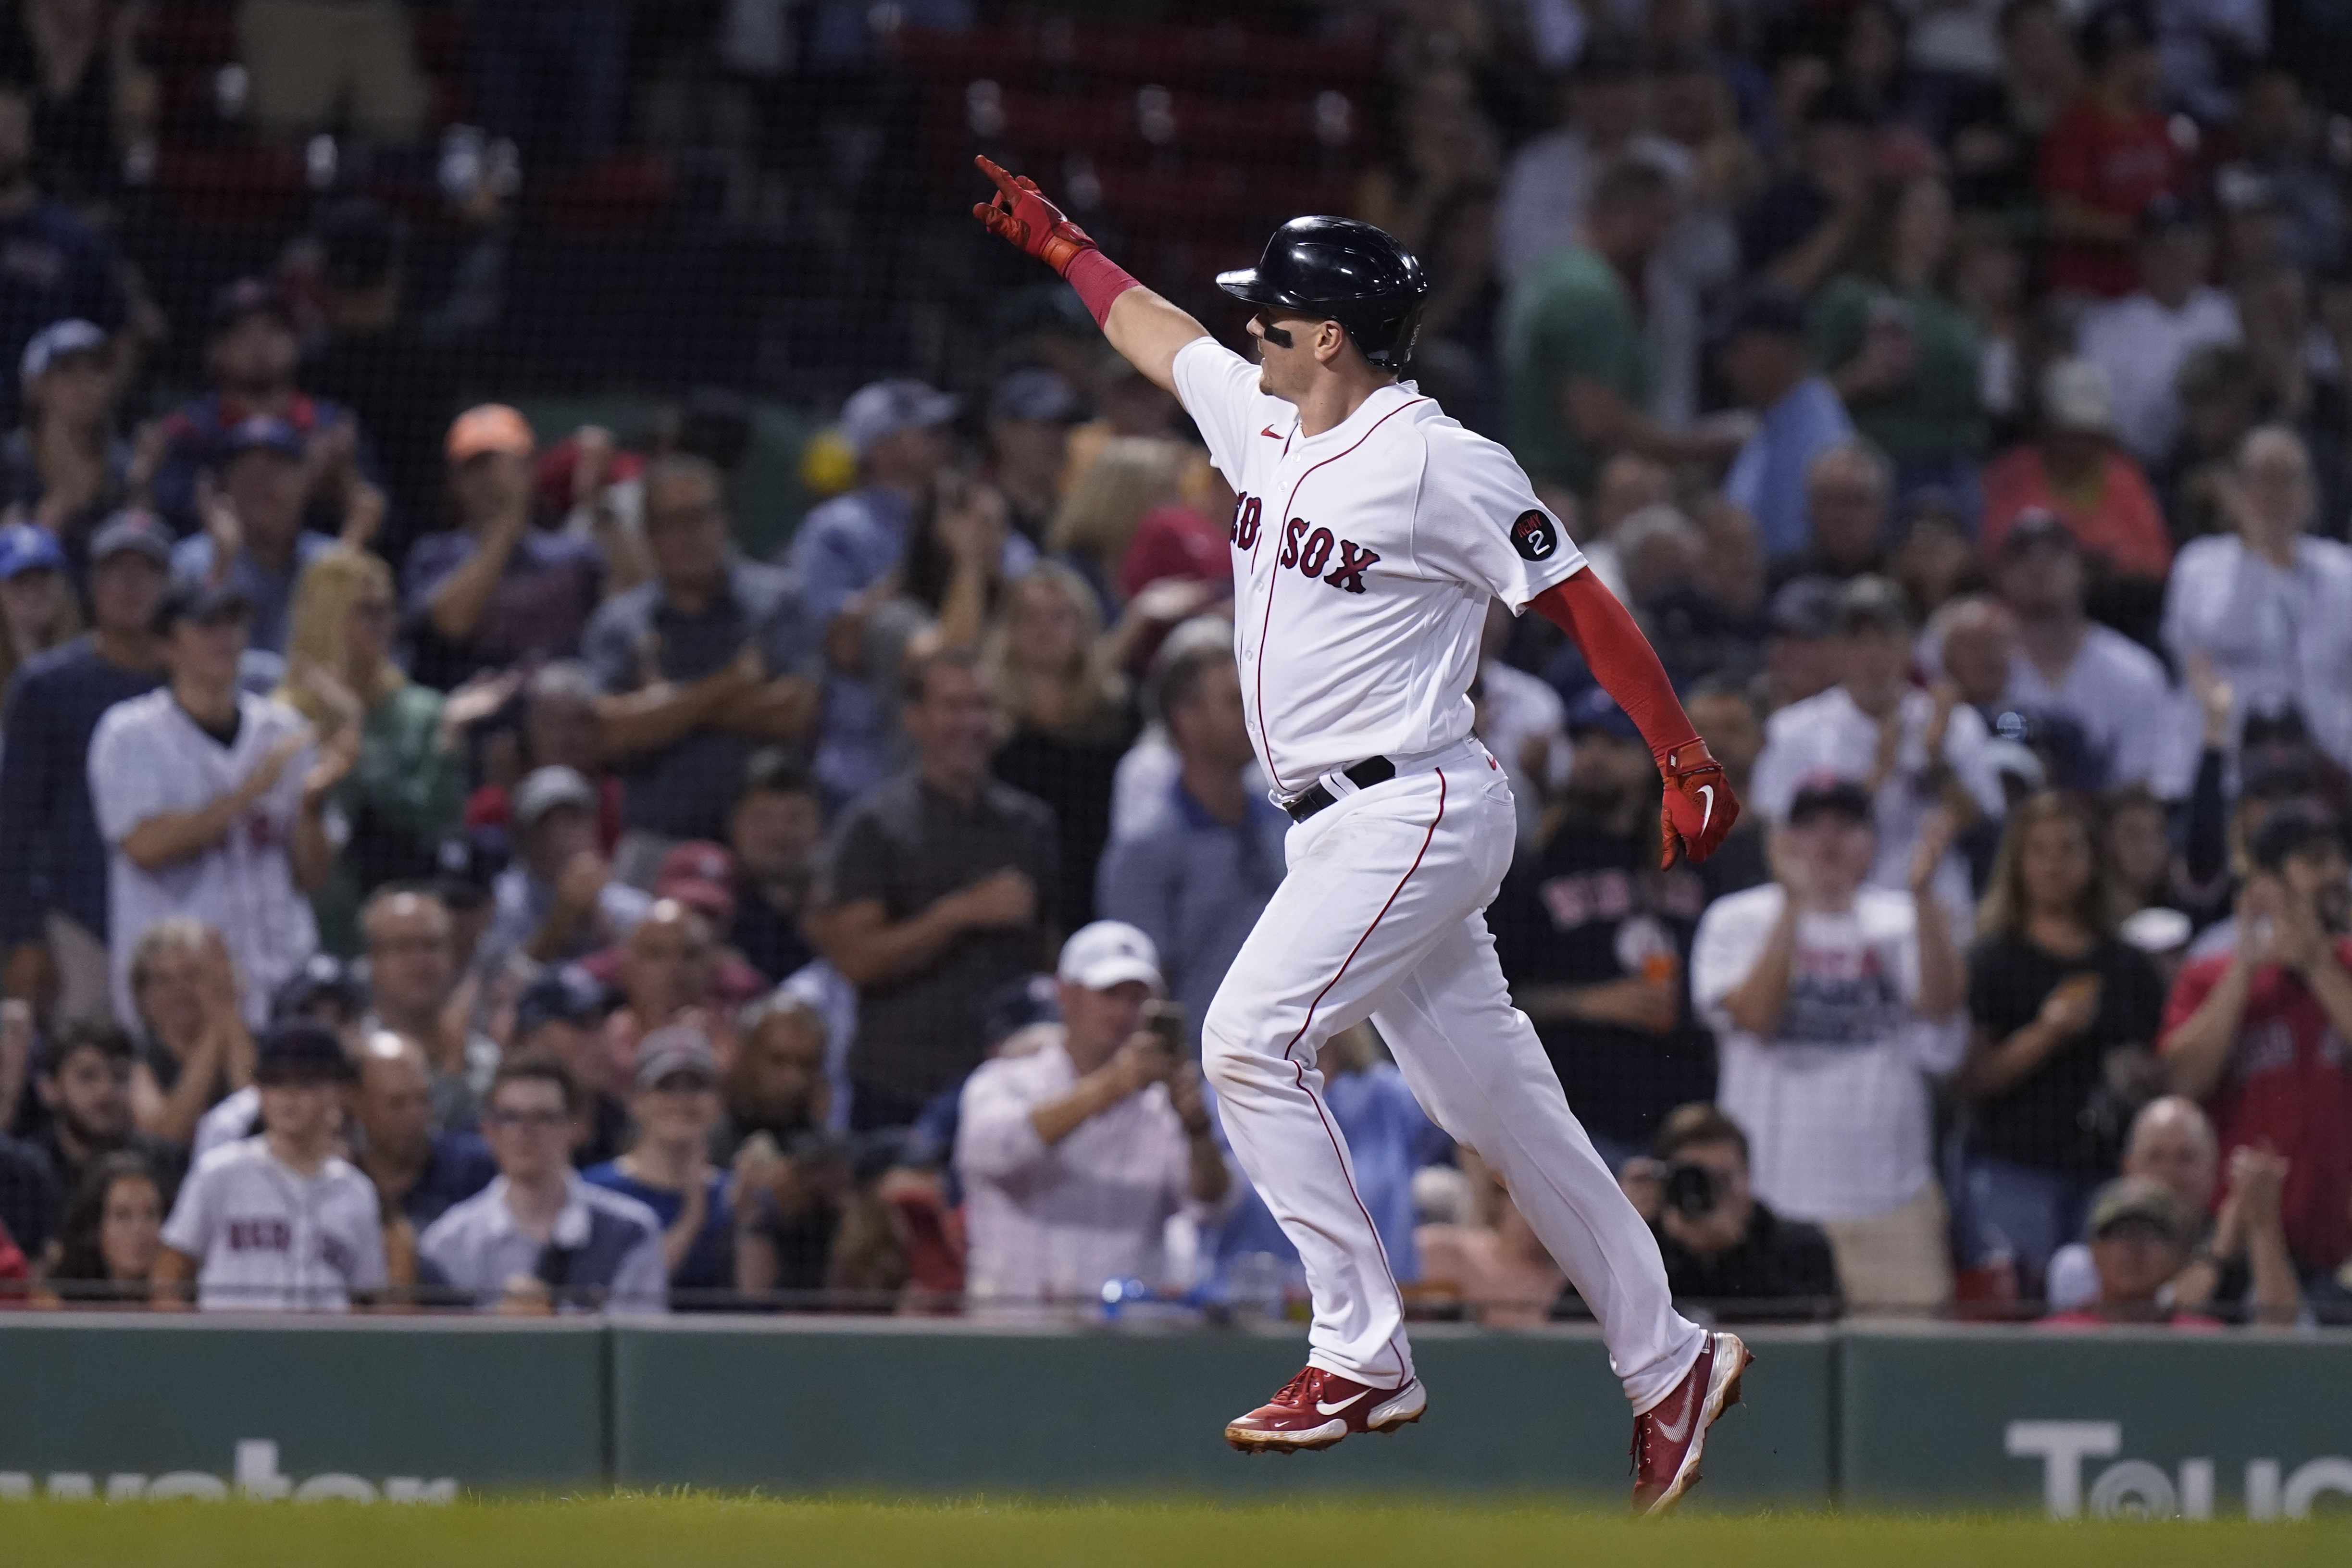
<point x="1304" y="1385"/>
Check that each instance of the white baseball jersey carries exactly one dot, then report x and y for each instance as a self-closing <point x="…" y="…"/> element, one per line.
<point x="1363" y="562"/>
<point x="149" y="759"/>
<point x="267" y="1239"/>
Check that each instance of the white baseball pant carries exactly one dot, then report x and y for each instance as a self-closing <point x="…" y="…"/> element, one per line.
<point x="1382" y="916"/>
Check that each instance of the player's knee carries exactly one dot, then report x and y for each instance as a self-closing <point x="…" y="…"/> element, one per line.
<point x="1229" y="1032"/>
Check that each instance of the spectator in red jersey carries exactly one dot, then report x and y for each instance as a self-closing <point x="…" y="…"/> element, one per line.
<point x="2257" y="1034"/>
<point x="2108" y="156"/>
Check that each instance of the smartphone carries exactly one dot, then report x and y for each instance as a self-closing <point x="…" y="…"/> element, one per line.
<point x="1166" y="1019"/>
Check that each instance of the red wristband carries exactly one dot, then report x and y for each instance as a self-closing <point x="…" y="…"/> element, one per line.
<point x="1099" y="282"/>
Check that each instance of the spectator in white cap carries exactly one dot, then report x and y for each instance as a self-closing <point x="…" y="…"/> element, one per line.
<point x="1076" y="1154"/>
<point x="668" y="1169"/>
<point x="65" y="466"/>
<point x="557" y="900"/>
<point x="2073" y="468"/>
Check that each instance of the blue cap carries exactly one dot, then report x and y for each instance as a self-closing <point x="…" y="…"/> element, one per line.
<point x="1594" y="708"/>
<point x="564" y="994"/>
<point x="54" y="341"/>
<point x="296" y="1050"/>
<point x="264" y="432"/>
<point x="886" y="407"/>
<point x="25" y="548"/>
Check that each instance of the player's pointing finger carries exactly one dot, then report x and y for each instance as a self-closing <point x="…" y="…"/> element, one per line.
<point x="1002" y="180"/>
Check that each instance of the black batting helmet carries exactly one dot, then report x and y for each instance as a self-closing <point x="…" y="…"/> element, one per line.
<point x="1343" y="272"/>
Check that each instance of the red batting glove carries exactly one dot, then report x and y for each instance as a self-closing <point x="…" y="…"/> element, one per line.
<point x="1698" y="809"/>
<point x="1025" y="219"/>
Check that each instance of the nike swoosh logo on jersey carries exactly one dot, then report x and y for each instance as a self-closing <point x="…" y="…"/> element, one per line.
<point x="1708" y="815"/>
<point x="1681" y="1430"/>
<point x="1323" y="1409"/>
<point x="1270" y="434"/>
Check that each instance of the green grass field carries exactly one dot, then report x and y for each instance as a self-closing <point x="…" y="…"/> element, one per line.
<point x="701" y="1532"/>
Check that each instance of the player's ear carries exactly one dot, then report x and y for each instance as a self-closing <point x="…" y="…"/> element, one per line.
<point x="1330" y="341"/>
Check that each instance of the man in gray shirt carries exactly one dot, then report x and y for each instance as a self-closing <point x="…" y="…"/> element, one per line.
<point x="711" y="658"/>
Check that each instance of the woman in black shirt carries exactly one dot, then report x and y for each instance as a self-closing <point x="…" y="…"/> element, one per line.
<point x="2061" y="1015"/>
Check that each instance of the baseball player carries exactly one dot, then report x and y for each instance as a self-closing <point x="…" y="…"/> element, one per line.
<point x="1370" y="534"/>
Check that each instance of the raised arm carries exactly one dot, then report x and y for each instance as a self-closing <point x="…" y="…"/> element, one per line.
<point x="1145" y="328"/>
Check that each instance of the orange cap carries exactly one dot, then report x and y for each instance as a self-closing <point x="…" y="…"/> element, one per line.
<point x="491" y="427"/>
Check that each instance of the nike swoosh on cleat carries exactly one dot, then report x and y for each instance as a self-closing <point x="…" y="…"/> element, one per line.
<point x="1708" y="815"/>
<point x="1323" y="1409"/>
<point x="1675" y="1434"/>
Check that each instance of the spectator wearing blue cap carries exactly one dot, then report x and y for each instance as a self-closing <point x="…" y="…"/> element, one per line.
<point x="65" y="466"/>
<point x="1596" y="939"/>
<point x="845" y="551"/>
<point x="254" y="351"/>
<point x="58" y="268"/>
<point x="37" y="604"/>
<point x="253" y="536"/>
<point x="560" y="1016"/>
<point x="1029" y="417"/>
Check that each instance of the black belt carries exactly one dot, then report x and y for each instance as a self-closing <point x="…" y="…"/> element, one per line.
<point x="1363" y="776"/>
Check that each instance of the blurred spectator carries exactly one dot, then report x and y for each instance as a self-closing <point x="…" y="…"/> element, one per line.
<point x="2269" y="604"/>
<point x="2208" y="48"/>
<point x="398" y="377"/>
<point x="1934" y="557"/>
<point x="1901" y="349"/>
<point x="1594" y="939"/>
<point x="418" y="1169"/>
<point x="2071" y="468"/>
<point x="2240" y="1264"/>
<point x="93" y="99"/>
<point x="2281" y="139"/>
<point x="280" y="1222"/>
<point x="212" y="802"/>
<point x="65" y="467"/>
<point x="774" y="828"/>
<point x="540" y="1238"/>
<point x="2220" y="397"/>
<point x="1905" y="749"/>
<point x="1195" y="880"/>
<point x="2108" y="155"/>
<point x="1722" y="1247"/>
<point x="406" y="785"/>
<point x="560" y="1016"/>
<point x="2143" y="339"/>
<point x="1492" y="1262"/>
<point x="253" y="538"/>
<point x="935" y="890"/>
<point x="112" y="1236"/>
<point x="2063" y="1019"/>
<point x="1726" y="718"/>
<point x="1389" y="1138"/>
<point x="1127" y="478"/>
<point x="1806" y="226"/>
<point x="552" y="78"/>
<point x="1849" y="499"/>
<point x="1802" y="654"/>
<point x="414" y="977"/>
<point x="2255" y="1033"/>
<point x="318" y="65"/>
<point x="326" y="991"/>
<point x="254" y="349"/>
<point x="1547" y="189"/>
<point x="194" y="1046"/>
<point x="843" y="553"/>
<point x="1830" y="1001"/>
<point x="495" y="591"/>
<point x="60" y="269"/>
<point x="559" y="898"/>
<point x="1029" y="417"/>
<point x="1435" y="194"/>
<point x="671" y="970"/>
<point x="37" y="612"/>
<point x="2066" y="664"/>
<point x="1516" y="715"/>
<point x="668" y="1168"/>
<point x="1576" y="363"/>
<point x="1076" y="1154"/>
<point x="714" y="655"/>
<point x="555" y="727"/>
<point x="83" y="1083"/>
<point x="1055" y="679"/>
<point x="776" y="1084"/>
<point x="1765" y="365"/>
<point x="1994" y="132"/>
<point x="2140" y="1240"/>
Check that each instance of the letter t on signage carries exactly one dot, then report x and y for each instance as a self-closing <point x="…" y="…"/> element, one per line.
<point x="2062" y="1446"/>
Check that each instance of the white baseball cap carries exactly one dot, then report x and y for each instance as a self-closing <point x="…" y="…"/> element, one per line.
<point x="1108" y="954"/>
<point x="2077" y="396"/>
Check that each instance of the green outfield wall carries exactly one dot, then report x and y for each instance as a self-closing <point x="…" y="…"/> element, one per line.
<point x="426" y="1410"/>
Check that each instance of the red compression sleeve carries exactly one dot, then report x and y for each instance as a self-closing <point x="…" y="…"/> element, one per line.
<point x="1620" y="658"/>
<point x="1100" y="281"/>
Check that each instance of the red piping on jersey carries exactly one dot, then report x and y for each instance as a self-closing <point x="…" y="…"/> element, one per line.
<point x="1299" y="1068"/>
<point x="1263" y="745"/>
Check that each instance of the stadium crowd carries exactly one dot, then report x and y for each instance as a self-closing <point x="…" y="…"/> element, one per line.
<point x="440" y="867"/>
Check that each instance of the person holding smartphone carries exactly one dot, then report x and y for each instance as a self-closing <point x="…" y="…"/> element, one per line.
<point x="1076" y="1152"/>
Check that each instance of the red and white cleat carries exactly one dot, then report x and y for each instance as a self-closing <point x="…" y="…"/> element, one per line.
<point x="1316" y="1408"/>
<point x="1668" y="1436"/>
